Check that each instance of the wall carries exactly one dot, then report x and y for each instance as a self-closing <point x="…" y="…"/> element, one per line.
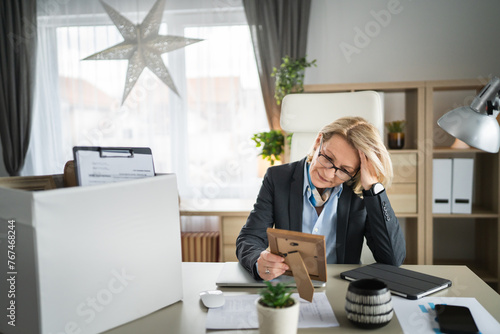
<point x="402" y="40"/>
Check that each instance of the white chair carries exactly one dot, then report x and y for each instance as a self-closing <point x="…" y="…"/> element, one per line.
<point x="305" y="114"/>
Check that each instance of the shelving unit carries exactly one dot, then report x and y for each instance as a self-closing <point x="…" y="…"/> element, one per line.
<point x="481" y="227"/>
<point x="428" y="234"/>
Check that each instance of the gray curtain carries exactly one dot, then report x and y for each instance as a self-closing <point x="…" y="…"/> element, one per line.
<point x="17" y="76"/>
<point x="278" y="28"/>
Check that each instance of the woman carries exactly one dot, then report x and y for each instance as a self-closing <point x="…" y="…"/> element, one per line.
<point x="338" y="191"/>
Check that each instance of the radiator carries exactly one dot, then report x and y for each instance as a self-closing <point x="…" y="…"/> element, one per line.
<point x="200" y="246"/>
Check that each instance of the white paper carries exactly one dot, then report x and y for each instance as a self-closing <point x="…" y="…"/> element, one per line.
<point x="240" y="312"/>
<point x="94" y="169"/>
<point x="419" y="316"/>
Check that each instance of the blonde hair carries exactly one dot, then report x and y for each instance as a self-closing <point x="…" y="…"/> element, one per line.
<point x="362" y="136"/>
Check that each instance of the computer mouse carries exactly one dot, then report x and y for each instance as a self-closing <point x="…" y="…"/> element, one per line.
<point x="212" y="298"/>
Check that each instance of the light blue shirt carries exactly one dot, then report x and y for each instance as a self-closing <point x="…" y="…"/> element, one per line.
<point x="324" y="224"/>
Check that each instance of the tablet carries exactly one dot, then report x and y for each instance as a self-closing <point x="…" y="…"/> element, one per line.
<point x="402" y="282"/>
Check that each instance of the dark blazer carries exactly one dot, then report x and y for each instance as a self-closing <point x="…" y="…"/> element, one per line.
<point x="280" y="204"/>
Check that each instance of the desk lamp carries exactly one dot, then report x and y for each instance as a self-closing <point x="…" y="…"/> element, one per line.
<point x="476" y="124"/>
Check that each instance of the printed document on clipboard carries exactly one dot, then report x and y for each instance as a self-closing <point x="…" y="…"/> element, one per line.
<point x="98" y="165"/>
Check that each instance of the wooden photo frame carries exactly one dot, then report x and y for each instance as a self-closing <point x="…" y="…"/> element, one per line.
<point x="310" y="246"/>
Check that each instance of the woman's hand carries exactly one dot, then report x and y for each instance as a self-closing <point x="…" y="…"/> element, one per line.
<point x="270" y="265"/>
<point x="368" y="175"/>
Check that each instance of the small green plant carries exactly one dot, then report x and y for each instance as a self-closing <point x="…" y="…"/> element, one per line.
<point x="272" y="144"/>
<point x="395" y="126"/>
<point x="276" y="296"/>
<point x="290" y="77"/>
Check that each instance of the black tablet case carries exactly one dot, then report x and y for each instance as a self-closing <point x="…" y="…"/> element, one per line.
<point x="402" y="282"/>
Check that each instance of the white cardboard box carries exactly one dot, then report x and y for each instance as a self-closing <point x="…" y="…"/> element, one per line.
<point x="87" y="259"/>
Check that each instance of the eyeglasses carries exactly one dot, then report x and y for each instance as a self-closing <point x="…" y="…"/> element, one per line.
<point x="327" y="162"/>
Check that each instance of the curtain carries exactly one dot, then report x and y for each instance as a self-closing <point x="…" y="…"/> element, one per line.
<point x="18" y="28"/>
<point x="278" y="29"/>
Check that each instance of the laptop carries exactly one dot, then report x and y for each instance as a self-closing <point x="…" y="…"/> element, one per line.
<point x="402" y="282"/>
<point x="234" y="275"/>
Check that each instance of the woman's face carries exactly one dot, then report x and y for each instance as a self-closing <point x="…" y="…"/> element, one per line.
<point x="343" y="156"/>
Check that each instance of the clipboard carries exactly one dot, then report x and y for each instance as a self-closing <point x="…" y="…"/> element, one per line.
<point x="98" y="165"/>
<point x="304" y="253"/>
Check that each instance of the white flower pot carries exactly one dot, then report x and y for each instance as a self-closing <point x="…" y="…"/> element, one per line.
<point x="278" y="320"/>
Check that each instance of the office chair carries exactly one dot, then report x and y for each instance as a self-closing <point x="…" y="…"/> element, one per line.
<point x="305" y="114"/>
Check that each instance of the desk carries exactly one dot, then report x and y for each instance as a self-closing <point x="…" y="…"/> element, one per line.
<point x="188" y="316"/>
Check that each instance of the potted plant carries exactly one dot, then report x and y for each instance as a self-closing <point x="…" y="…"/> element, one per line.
<point x="395" y="134"/>
<point x="278" y="312"/>
<point x="272" y="143"/>
<point x="290" y="77"/>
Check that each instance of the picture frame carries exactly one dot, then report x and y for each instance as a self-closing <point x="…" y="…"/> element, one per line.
<point x="310" y="246"/>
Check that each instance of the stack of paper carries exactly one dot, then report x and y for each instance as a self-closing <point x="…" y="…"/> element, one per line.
<point x="240" y="312"/>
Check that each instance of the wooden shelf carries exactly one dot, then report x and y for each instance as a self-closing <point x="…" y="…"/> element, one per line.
<point x="464" y="84"/>
<point x="447" y="150"/>
<point x="402" y="151"/>
<point x="351" y="87"/>
<point x="406" y="214"/>
<point x="477" y="212"/>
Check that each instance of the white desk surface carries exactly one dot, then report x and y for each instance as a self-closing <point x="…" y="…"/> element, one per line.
<point x="188" y="316"/>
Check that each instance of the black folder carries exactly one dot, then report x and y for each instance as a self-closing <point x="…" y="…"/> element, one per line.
<point x="402" y="282"/>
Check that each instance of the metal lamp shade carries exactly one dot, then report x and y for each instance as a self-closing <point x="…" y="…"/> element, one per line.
<point x="477" y="130"/>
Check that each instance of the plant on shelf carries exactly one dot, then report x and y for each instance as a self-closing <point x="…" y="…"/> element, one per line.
<point x="395" y="134"/>
<point x="272" y="143"/>
<point x="395" y="126"/>
<point x="277" y="310"/>
<point x="290" y="76"/>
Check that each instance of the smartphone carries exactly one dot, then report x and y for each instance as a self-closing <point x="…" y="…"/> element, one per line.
<point x="455" y="319"/>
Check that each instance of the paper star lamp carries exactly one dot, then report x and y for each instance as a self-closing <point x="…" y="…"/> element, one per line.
<point x="142" y="46"/>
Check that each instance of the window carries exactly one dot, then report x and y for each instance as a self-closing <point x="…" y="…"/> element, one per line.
<point x="202" y="135"/>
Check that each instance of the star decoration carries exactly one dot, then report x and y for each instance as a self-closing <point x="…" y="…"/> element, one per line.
<point x="142" y="46"/>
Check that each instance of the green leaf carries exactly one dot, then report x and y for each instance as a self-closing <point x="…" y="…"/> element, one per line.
<point x="272" y="143"/>
<point x="290" y="76"/>
<point x="395" y="126"/>
<point x="276" y="296"/>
